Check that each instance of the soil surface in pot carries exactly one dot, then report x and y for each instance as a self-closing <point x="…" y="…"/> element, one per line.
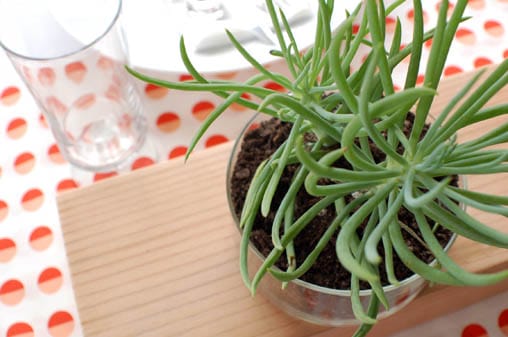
<point x="258" y="144"/>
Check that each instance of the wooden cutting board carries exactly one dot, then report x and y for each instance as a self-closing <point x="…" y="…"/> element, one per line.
<point x="155" y="253"/>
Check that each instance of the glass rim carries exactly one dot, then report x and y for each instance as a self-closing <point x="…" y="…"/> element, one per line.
<point x="113" y="21"/>
<point x="299" y="282"/>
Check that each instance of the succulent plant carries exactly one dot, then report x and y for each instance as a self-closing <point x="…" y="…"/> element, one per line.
<point x="345" y="110"/>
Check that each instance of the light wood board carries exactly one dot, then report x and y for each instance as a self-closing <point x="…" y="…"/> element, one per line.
<point x="155" y="253"/>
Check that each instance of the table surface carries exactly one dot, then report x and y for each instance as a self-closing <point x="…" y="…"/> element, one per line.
<point x="36" y="294"/>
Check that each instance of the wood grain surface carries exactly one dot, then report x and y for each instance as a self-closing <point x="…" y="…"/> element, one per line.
<point x="155" y="253"/>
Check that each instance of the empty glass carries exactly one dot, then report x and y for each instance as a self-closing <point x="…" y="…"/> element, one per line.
<point x="71" y="55"/>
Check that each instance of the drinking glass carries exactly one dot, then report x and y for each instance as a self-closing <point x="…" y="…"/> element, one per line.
<point x="71" y="55"/>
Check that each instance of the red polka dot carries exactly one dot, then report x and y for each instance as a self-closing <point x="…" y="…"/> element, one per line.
<point x="10" y="95"/>
<point x="227" y="75"/>
<point x="50" y="280"/>
<point x="185" y="77"/>
<point x="505" y="54"/>
<point x="177" y="152"/>
<point x="55" y="155"/>
<point x="168" y="122"/>
<point x="12" y="292"/>
<point x="155" y="92"/>
<point x="202" y="109"/>
<point x="42" y="121"/>
<point x="7" y="249"/>
<point x="20" y="329"/>
<point x="216" y="140"/>
<point x="428" y="43"/>
<point x="105" y="63"/>
<point x="66" y="184"/>
<point x="493" y="28"/>
<point x="390" y="24"/>
<point x="239" y="107"/>
<point x="476" y="4"/>
<point x="411" y="15"/>
<point x="452" y="70"/>
<point x="32" y="199"/>
<point x="355" y="28"/>
<point x="481" y="62"/>
<point x="274" y="86"/>
<point x="502" y="322"/>
<point x="75" y="71"/>
<point x="84" y="102"/>
<point x="420" y="79"/>
<point x="24" y="163"/>
<point x="61" y="324"/>
<point x="55" y="105"/>
<point x="16" y="128"/>
<point x="41" y="238"/>
<point x="113" y="93"/>
<point x="104" y="175"/>
<point x="465" y="36"/>
<point x="474" y="330"/>
<point x="142" y="162"/>
<point x="4" y="210"/>
<point x="450" y="7"/>
<point x="46" y="76"/>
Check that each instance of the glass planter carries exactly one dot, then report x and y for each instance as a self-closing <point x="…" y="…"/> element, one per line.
<point x="316" y="304"/>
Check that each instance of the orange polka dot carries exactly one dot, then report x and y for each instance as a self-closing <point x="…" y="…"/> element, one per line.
<point x="50" y="280"/>
<point x="104" y="175"/>
<point x="12" y="292"/>
<point x="7" y="249"/>
<point x="168" y="122"/>
<point x="75" y="71"/>
<point x="61" y="324"/>
<point x="185" y="77"/>
<point x="16" y="128"/>
<point x="505" y="54"/>
<point x="55" y="155"/>
<point x="24" y="163"/>
<point x="476" y="4"/>
<point x="84" y="102"/>
<point x="55" y="105"/>
<point x="177" y="152"/>
<point x="46" y="76"/>
<point x="274" y="86"/>
<point x="202" y="109"/>
<point x="465" y="36"/>
<point x="142" y="162"/>
<point x="452" y="70"/>
<point x="10" y="95"/>
<point x="105" y="63"/>
<point x="239" y="107"/>
<point x="502" y="322"/>
<point x="113" y="93"/>
<point x="32" y="199"/>
<point x="41" y="238"/>
<point x="155" y="92"/>
<point x="253" y="126"/>
<point x="4" y="210"/>
<point x="474" y="330"/>
<point x="216" y="140"/>
<point x="66" y="184"/>
<point x="20" y="329"/>
<point x="481" y="62"/>
<point x="493" y="28"/>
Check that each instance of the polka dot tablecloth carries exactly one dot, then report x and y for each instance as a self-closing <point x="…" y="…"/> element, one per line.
<point x="36" y="297"/>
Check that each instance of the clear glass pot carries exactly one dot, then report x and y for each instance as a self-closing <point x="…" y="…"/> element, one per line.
<point x="316" y="304"/>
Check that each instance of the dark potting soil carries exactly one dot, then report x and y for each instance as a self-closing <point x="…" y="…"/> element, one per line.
<point x="258" y="144"/>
